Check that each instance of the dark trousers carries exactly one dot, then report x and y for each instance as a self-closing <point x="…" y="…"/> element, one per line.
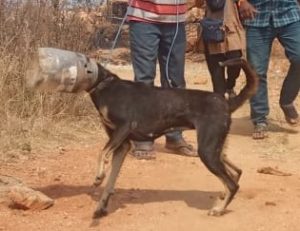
<point x="219" y="81"/>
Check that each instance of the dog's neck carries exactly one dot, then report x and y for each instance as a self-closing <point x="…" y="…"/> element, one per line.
<point x="104" y="76"/>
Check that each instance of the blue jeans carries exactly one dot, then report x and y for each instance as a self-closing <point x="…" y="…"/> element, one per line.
<point x="152" y="42"/>
<point x="259" y="45"/>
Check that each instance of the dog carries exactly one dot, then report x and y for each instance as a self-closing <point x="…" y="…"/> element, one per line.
<point x="136" y="111"/>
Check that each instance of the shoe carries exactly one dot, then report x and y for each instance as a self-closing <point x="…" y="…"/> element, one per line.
<point x="290" y="113"/>
<point x="143" y="151"/>
<point x="260" y="131"/>
<point x="181" y="147"/>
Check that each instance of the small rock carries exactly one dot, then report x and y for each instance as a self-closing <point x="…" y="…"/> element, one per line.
<point x="65" y="215"/>
<point x="26" y="147"/>
<point x="41" y="172"/>
<point x="57" y="178"/>
<point x="61" y="150"/>
<point x="164" y="213"/>
<point x="5" y="183"/>
<point x="270" y="203"/>
<point x="27" y="198"/>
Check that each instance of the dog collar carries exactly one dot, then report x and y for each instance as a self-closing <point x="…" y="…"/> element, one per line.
<point x="99" y="82"/>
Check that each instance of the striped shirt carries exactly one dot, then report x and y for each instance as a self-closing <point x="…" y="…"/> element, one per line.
<point x="277" y="13"/>
<point x="159" y="11"/>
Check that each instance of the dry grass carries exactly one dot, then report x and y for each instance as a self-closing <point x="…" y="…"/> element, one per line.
<point x="25" y="115"/>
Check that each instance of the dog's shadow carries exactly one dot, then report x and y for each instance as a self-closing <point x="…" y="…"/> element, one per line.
<point x="202" y="200"/>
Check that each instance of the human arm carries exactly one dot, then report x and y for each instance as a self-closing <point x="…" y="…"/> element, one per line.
<point x="246" y="9"/>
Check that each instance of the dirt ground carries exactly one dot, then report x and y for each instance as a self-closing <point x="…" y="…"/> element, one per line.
<point x="171" y="192"/>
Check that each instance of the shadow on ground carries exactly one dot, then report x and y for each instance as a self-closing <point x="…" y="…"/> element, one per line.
<point x="243" y="126"/>
<point x="193" y="198"/>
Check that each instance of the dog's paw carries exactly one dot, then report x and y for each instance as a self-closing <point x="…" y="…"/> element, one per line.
<point x="216" y="212"/>
<point x="98" y="180"/>
<point x="222" y="196"/>
<point x="100" y="213"/>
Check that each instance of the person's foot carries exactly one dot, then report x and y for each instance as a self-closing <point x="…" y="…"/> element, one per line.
<point x="260" y="131"/>
<point x="290" y="113"/>
<point x="181" y="147"/>
<point x="143" y="152"/>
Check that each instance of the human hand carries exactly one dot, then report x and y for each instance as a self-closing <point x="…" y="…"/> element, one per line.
<point x="246" y="10"/>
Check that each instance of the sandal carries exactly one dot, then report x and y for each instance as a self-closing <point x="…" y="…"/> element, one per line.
<point x="143" y="154"/>
<point x="260" y="131"/>
<point x="290" y="113"/>
<point x="143" y="151"/>
<point x="181" y="147"/>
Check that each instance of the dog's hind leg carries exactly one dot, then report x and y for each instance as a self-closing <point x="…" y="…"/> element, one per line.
<point x="235" y="171"/>
<point x="210" y="144"/>
<point x="116" y="137"/>
<point x="117" y="161"/>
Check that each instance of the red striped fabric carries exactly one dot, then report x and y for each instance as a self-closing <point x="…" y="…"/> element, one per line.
<point x="159" y="8"/>
<point x="169" y="11"/>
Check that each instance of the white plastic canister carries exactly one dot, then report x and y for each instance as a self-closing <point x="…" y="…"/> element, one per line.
<point x="61" y="70"/>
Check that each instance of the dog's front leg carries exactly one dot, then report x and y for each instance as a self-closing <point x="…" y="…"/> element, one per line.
<point x="103" y="160"/>
<point x="116" y="137"/>
<point x="117" y="161"/>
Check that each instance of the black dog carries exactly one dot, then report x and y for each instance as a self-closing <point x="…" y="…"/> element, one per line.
<point x="135" y="111"/>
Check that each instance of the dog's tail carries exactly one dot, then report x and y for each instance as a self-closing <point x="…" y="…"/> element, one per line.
<point x="251" y="83"/>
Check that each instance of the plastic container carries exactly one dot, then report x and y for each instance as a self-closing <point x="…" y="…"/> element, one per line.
<point x="61" y="70"/>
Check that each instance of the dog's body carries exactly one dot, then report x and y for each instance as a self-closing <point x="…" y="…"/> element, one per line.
<point x="135" y="111"/>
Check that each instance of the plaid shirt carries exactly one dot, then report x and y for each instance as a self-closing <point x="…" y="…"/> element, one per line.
<point x="277" y="13"/>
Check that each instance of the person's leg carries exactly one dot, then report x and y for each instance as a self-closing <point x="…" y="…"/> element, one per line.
<point x="289" y="37"/>
<point x="144" y="42"/>
<point x="171" y="56"/>
<point x="232" y="72"/>
<point x="259" y="44"/>
<point x="217" y="73"/>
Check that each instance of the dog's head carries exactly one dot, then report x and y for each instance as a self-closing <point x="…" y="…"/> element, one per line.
<point x="62" y="71"/>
